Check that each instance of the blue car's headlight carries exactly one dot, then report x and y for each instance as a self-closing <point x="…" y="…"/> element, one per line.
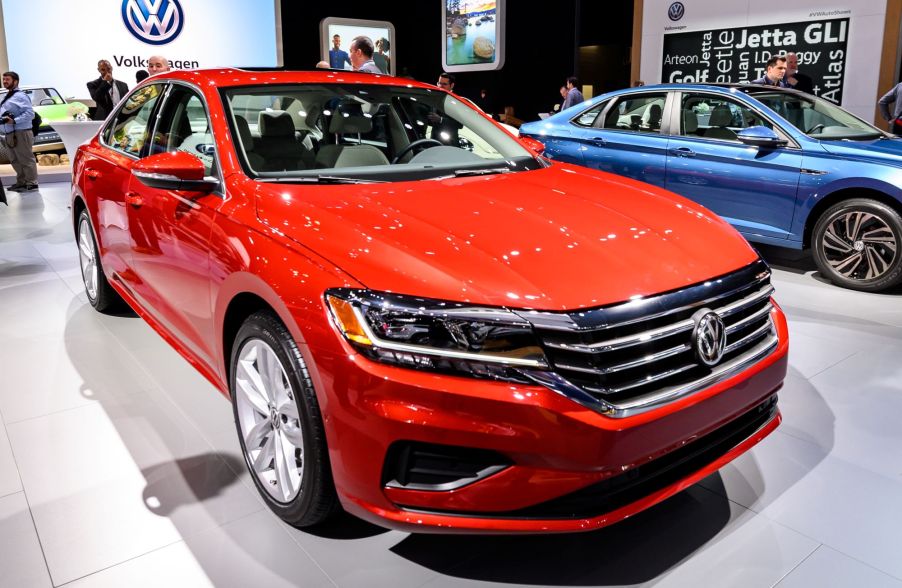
<point x="436" y="335"/>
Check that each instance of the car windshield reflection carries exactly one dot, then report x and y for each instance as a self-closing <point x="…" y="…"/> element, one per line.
<point x="816" y="117"/>
<point x="369" y="132"/>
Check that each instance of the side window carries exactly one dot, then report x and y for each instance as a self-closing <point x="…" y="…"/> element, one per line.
<point x="184" y="126"/>
<point x="129" y="131"/>
<point x="590" y="117"/>
<point x="642" y="113"/>
<point x="716" y="117"/>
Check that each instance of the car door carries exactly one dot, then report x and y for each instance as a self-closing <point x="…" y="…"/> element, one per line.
<point x="171" y="229"/>
<point x="753" y="188"/>
<point x="624" y="137"/>
<point x="108" y="172"/>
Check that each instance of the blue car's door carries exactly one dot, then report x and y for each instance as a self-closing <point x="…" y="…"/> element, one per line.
<point x="752" y="188"/>
<point x="623" y="136"/>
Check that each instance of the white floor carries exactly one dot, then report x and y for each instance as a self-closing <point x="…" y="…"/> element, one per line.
<point x="119" y="465"/>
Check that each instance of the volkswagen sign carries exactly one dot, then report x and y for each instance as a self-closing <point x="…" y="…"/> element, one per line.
<point x="155" y="22"/>
<point x="709" y="337"/>
<point x="676" y="11"/>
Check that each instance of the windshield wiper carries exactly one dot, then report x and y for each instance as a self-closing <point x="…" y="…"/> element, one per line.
<point x="320" y="179"/>
<point x="481" y="172"/>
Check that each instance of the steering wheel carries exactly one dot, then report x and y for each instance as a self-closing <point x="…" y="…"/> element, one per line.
<point x="817" y="127"/>
<point x="414" y="145"/>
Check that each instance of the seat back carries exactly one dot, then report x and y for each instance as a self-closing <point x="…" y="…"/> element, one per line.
<point x="690" y="123"/>
<point x="338" y="155"/>
<point x="654" y="113"/>
<point x="720" y="118"/>
<point x="278" y="145"/>
<point x="247" y="142"/>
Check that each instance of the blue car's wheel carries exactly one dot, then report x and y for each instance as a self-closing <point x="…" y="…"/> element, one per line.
<point x="856" y="244"/>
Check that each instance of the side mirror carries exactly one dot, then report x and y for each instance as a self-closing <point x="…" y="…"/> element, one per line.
<point x="175" y="170"/>
<point x="760" y="136"/>
<point x="533" y="145"/>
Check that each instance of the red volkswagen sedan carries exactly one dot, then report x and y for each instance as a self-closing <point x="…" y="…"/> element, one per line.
<point x="416" y="316"/>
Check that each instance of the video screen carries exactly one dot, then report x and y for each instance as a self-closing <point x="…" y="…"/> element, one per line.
<point x="474" y="31"/>
<point x="337" y="34"/>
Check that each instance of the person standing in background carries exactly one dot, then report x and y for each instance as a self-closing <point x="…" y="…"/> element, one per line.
<point x="362" y="50"/>
<point x="16" y="115"/>
<point x="105" y="91"/>
<point x="775" y="69"/>
<point x="893" y="97"/>
<point x="574" y="96"/>
<point x="794" y="79"/>
<point x="157" y="64"/>
<point x="141" y="75"/>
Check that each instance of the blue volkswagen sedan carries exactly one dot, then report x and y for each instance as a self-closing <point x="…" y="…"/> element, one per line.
<point x="783" y="167"/>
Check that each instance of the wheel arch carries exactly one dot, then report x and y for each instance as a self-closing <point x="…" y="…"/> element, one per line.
<point x="845" y="194"/>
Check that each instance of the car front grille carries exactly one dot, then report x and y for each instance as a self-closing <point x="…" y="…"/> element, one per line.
<point x="634" y="356"/>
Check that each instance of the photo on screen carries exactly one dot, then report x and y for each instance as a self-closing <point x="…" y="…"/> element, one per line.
<point x="473" y="35"/>
<point x="336" y="35"/>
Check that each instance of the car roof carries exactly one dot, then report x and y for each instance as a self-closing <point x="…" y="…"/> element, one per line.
<point x="724" y="88"/>
<point x="31" y="87"/>
<point x="226" y="77"/>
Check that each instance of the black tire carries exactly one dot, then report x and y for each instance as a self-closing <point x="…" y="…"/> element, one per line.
<point x="857" y="244"/>
<point x="102" y="296"/>
<point x="316" y="500"/>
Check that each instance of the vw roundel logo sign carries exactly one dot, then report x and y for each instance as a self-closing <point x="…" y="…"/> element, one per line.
<point x="156" y="22"/>
<point x="709" y="337"/>
<point x="676" y="11"/>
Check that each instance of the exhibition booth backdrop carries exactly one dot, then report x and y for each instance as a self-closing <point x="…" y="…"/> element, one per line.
<point x="839" y="45"/>
<point x="59" y="44"/>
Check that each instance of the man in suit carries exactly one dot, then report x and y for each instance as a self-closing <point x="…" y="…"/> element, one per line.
<point x="794" y="77"/>
<point x="105" y="91"/>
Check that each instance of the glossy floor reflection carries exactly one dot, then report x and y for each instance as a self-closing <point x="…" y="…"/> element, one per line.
<point x="119" y="464"/>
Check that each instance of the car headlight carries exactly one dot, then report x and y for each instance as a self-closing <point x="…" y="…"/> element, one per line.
<point x="437" y="335"/>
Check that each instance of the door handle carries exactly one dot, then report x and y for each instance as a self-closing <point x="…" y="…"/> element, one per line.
<point x="134" y="199"/>
<point x="598" y="141"/>
<point x="92" y="173"/>
<point x="683" y="152"/>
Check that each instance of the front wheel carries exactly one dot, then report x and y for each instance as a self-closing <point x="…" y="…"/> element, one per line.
<point x="100" y="294"/>
<point x="279" y="423"/>
<point x="856" y="244"/>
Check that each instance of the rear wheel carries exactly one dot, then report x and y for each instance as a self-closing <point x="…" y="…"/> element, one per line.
<point x="856" y="244"/>
<point x="279" y="423"/>
<point x="100" y="294"/>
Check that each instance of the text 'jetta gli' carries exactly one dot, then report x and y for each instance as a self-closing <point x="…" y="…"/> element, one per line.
<point x="417" y="317"/>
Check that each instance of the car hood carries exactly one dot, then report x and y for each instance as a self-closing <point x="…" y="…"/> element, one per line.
<point x="558" y="238"/>
<point x="883" y="150"/>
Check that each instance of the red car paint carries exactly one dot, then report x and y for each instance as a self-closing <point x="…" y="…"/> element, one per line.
<point x="554" y="239"/>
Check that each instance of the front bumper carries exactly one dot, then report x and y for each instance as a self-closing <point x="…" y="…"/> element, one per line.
<point x="570" y="468"/>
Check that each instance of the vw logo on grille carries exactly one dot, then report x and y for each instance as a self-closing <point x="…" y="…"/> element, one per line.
<point x="709" y="338"/>
<point x="676" y="11"/>
<point x="156" y="22"/>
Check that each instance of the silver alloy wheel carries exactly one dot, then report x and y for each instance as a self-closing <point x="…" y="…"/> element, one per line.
<point x="859" y="245"/>
<point x="268" y="420"/>
<point x="87" y="255"/>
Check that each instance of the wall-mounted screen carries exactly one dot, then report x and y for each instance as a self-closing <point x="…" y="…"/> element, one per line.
<point x="336" y="35"/>
<point x="473" y="35"/>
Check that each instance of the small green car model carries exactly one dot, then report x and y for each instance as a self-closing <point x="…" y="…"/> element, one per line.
<point x="53" y="108"/>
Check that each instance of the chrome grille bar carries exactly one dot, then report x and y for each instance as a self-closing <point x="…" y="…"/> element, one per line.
<point x="628" y="364"/>
<point x="756" y="316"/>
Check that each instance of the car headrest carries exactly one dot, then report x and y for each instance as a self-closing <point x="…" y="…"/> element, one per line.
<point x="690" y="122"/>
<point x="244" y="132"/>
<point x="654" y="114"/>
<point x="343" y="122"/>
<point x="721" y="116"/>
<point x="275" y="123"/>
<point x="313" y="116"/>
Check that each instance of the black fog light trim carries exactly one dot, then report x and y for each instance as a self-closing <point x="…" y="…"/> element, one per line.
<point x="412" y="465"/>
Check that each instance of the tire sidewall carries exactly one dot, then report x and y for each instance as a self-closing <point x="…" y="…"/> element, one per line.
<point x="84" y="217"/>
<point x="892" y="277"/>
<point x="264" y="327"/>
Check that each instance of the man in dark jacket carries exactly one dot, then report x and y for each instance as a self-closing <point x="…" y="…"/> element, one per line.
<point x="893" y="97"/>
<point x="105" y="91"/>
<point x="775" y="69"/>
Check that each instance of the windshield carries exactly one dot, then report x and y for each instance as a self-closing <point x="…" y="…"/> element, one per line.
<point x="815" y="117"/>
<point x="41" y="96"/>
<point x="367" y="132"/>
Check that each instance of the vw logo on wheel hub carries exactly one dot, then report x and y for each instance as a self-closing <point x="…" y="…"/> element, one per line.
<point x="709" y="337"/>
<point x="155" y="22"/>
